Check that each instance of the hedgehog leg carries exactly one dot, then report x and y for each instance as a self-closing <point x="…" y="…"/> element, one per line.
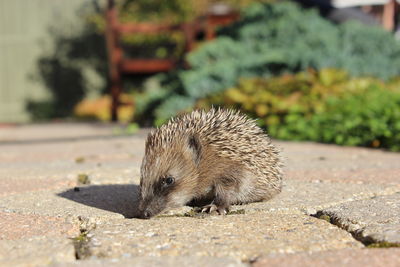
<point x="212" y="209"/>
<point x="221" y="202"/>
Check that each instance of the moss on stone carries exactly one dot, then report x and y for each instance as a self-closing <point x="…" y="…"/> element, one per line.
<point x="384" y="245"/>
<point x="325" y="218"/>
<point x="83" y="178"/>
<point x="234" y="212"/>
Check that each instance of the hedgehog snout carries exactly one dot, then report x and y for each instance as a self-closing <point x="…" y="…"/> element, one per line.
<point x="149" y="207"/>
<point x="145" y="214"/>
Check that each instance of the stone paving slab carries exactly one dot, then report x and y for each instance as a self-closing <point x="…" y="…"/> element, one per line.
<point x="49" y="204"/>
<point x="36" y="251"/>
<point x="33" y="240"/>
<point x="241" y="237"/>
<point x="361" y="176"/>
<point x="14" y="185"/>
<point x="313" y="162"/>
<point x="310" y="197"/>
<point x="101" y="157"/>
<point x="54" y="131"/>
<point x="346" y="258"/>
<point x="166" y="261"/>
<point x="39" y="165"/>
<point x="373" y="220"/>
<point x="118" y="201"/>
<point x="314" y="156"/>
<point x="18" y="226"/>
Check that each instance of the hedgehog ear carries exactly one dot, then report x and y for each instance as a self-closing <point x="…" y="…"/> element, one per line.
<point x="195" y="147"/>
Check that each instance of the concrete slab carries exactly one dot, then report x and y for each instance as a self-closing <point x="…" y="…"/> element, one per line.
<point x="54" y="131"/>
<point x="165" y="261"/>
<point x="49" y="204"/>
<point x="39" y="165"/>
<point x="241" y="237"/>
<point x="312" y="161"/>
<point x="118" y="201"/>
<point x="360" y="176"/>
<point x="17" y="226"/>
<point x="346" y="258"/>
<point x="36" y="251"/>
<point x="14" y="185"/>
<point x="103" y="158"/>
<point x="371" y="220"/>
<point x="309" y="197"/>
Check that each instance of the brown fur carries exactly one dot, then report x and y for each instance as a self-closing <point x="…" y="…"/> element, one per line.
<point x="218" y="157"/>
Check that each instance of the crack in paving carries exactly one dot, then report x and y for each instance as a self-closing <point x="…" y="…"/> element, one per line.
<point x="355" y="227"/>
<point x="82" y="241"/>
<point x="322" y="215"/>
<point x="367" y="241"/>
<point x="86" y="247"/>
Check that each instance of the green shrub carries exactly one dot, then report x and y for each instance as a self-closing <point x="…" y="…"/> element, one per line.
<point x="272" y="39"/>
<point x="276" y="38"/>
<point x="325" y="106"/>
<point x="370" y="118"/>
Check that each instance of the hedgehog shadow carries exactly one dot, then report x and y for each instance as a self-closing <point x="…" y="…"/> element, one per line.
<point x="118" y="198"/>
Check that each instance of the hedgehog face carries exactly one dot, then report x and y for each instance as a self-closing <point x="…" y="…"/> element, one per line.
<point x="168" y="176"/>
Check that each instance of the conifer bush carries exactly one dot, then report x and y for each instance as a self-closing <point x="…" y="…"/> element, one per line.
<point x="270" y="40"/>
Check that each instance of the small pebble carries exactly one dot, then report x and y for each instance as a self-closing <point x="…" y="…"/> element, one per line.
<point x="150" y="234"/>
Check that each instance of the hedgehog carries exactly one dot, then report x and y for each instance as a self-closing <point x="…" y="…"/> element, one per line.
<point x="208" y="159"/>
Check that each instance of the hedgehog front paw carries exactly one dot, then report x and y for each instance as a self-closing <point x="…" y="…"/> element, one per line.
<point x="214" y="209"/>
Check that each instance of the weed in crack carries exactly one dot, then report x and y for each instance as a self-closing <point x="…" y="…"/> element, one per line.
<point x="357" y="234"/>
<point x="81" y="246"/>
<point x="383" y="245"/>
<point x="81" y="242"/>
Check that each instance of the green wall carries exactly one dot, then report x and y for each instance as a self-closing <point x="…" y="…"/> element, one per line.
<point x="24" y="36"/>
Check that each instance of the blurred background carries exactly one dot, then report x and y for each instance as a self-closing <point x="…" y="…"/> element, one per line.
<point x="319" y="70"/>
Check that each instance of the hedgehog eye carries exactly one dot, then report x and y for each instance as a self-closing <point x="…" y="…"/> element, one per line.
<point x="168" y="180"/>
